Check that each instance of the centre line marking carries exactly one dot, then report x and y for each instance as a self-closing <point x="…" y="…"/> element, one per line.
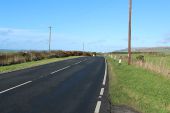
<point x="15" y="87"/>
<point x="78" y="63"/>
<point x="105" y="75"/>
<point x="97" y="109"/>
<point x="60" y="70"/>
<point x="85" y="60"/>
<point x="102" y="91"/>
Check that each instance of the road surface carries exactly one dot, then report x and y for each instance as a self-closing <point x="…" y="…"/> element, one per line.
<point x="70" y="86"/>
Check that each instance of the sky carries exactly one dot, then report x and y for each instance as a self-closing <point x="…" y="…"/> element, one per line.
<point x="102" y="25"/>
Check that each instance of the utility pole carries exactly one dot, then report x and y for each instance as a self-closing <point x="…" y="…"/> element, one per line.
<point x="50" y="39"/>
<point x="129" y="32"/>
<point x="83" y="48"/>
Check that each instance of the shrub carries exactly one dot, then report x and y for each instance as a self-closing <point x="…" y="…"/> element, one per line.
<point x="27" y="56"/>
<point x="140" y="58"/>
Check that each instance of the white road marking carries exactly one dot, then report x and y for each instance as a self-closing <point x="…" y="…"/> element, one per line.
<point x="85" y="60"/>
<point x="102" y="91"/>
<point x="100" y="96"/>
<point x="39" y="77"/>
<point x="60" y="70"/>
<point x="65" y="68"/>
<point x="105" y="75"/>
<point x="78" y="63"/>
<point x="97" y="109"/>
<point x="15" y="87"/>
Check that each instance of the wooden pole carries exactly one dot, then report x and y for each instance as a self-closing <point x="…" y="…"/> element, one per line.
<point x="129" y="32"/>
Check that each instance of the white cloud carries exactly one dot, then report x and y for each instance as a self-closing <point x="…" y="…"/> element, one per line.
<point x="5" y="32"/>
<point x="20" y="32"/>
<point x="35" y="39"/>
<point x="165" y="40"/>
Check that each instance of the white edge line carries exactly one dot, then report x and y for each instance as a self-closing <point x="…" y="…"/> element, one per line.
<point x="102" y="91"/>
<point x="104" y="80"/>
<point x="15" y="87"/>
<point x="97" y="109"/>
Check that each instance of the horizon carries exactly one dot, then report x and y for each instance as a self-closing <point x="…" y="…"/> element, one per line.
<point x="120" y="50"/>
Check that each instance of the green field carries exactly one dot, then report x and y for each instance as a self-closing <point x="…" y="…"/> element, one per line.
<point x="31" y="64"/>
<point x="146" y="91"/>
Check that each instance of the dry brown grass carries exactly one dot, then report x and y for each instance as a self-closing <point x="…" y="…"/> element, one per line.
<point x="160" y="66"/>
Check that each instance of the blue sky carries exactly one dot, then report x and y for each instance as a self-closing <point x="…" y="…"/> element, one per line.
<point x="100" y="24"/>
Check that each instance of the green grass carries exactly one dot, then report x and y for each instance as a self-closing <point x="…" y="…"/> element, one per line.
<point x="141" y="89"/>
<point x="31" y="64"/>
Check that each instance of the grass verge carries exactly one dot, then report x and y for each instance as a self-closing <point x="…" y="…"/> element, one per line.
<point x="32" y="64"/>
<point x="139" y="88"/>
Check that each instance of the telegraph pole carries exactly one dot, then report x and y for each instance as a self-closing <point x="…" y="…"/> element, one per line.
<point x="129" y="32"/>
<point x="83" y="48"/>
<point x="50" y="39"/>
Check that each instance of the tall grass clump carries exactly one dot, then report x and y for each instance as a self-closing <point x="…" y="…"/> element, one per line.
<point x="156" y="63"/>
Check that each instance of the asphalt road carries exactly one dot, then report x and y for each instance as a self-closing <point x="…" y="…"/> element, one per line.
<point x="70" y="86"/>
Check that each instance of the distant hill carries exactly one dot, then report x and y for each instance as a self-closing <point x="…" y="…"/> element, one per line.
<point x="148" y="49"/>
<point x="7" y="51"/>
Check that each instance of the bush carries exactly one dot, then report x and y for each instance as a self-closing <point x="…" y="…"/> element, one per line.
<point x="140" y="58"/>
<point x="27" y="56"/>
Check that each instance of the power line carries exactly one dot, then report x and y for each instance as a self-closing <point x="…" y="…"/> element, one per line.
<point x="129" y="32"/>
